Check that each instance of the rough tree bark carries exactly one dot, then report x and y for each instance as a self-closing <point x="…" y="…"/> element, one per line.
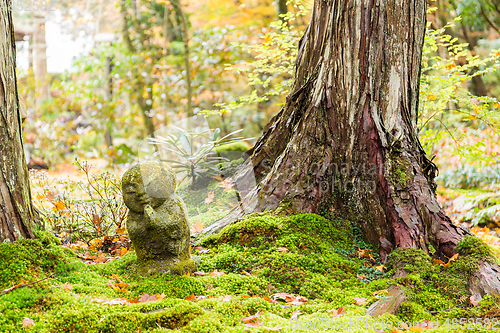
<point x="16" y="210"/>
<point x="345" y="143"/>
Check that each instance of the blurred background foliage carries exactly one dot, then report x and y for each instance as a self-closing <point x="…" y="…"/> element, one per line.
<point x="237" y="67"/>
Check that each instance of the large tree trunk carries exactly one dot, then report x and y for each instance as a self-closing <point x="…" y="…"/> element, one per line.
<point x="16" y="210"/>
<point x="345" y="143"/>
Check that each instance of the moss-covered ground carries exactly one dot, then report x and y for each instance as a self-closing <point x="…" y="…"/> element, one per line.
<point x="322" y="260"/>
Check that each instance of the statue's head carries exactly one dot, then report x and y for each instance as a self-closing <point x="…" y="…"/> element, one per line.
<point x="147" y="183"/>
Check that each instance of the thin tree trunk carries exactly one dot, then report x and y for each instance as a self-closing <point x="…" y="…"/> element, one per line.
<point x="345" y="143"/>
<point x="16" y="211"/>
<point x="187" y="64"/>
<point x="40" y="60"/>
<point x="282" y="8"/>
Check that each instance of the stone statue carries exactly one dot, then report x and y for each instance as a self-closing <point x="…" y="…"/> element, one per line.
<point x="157" y="220"/>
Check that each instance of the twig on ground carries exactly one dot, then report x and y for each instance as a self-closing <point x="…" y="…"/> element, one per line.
<point x="6" y="291"/>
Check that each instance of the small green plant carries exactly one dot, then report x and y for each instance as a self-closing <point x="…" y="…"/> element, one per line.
<point x="82" y="210"/>
<point x="194" y="151"/>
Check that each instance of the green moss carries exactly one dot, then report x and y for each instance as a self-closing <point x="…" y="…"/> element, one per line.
<point x="399" y="171"/>
<point x="410" y="311"/>
<point x="26" y="260"/>
<point x="436" y="287"/>
<point x="473" y="246"/>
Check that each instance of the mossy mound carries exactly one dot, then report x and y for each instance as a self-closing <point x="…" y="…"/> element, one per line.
<point x="435" y="288"/>
<point x="298" y="253"/>
<point x="29" y="260"/>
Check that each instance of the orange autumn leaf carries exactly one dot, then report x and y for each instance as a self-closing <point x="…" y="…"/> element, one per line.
<point x="190" y="298"/>
<point x="360" y="301"/>
<point x="217" y="273"/>
<point x="198" y="227"/>
<point x="67" y="286"/>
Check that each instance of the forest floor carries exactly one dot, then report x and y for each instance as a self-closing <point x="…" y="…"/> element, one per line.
<point x="269" y="272"/>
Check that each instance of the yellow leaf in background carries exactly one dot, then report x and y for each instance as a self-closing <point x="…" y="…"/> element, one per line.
<point x="431" y="97"/>
<point x="267" y="40"/>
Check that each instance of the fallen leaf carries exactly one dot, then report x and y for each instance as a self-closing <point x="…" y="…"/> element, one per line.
<point x="473" y="301"/>
<point x="116" y="301"/>
<point x="190" y="298"/>
<point x="197" y="227"/>
<point x="246" y="273"/>
<point x="360" y="301"/>
<point x="282" y="249"/>
<point x="200" y="273"/>
<point x="67" y="286"/>
<point x="295" y="314"/>
<point x="101" y="259"/>
<point x="249" y="319"/>
<point x="226" y="298"/>
<point x="217" y="273"/>
<point x="337" y="313"/>
<point x="361" y="277"/>
<point x="145" y="298"/>
<point x="226" y="184"/>
<point x="268" y="299"/>
<point x="201" y="250"/>
<point x="123" y="251"/>
<point x="253" y="324"/>
<point x="121" y="231"/>
<point x="210" y="198"/>
<point x="161" y="296"/>
<point x="380" y="268"/>
<point x="27" y="322"/>
<point x="284" y="296"/>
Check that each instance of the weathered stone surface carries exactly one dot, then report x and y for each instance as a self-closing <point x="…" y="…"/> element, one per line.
<point x="157" y="221"/>
<point x="389" y="304"/>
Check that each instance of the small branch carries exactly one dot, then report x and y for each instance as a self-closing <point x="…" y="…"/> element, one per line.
<point x="493" y="25"/>
<point x="6" y="291"/>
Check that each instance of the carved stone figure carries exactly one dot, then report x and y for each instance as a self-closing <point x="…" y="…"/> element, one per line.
<point x="157" y="221"/>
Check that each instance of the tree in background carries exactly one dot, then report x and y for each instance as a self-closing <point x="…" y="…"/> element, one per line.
<point x="16" y="211"/>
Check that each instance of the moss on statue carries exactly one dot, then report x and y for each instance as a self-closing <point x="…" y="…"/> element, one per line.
<point x="157" y="220"/>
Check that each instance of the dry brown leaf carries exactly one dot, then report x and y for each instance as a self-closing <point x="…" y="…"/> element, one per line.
<point x="284" y="296"/>
<point x="473" y="301"/>
<point x="246" y="273"/>
<point x="197" y="227"/>
<point x="295" y="314"/>
<point x="249" y="319"/>
<point x="101" y="259"/>
<point x="282" y="249"/>
<point x="161" y="296"/>
<point x="217" y="273"/>
<point x="360" y="301"/>
<point x="210" y="198"/>
<point x="145" y="298"/>
<point x="116" y="301"/>
<point x="253" y="324"/>
<point x="337" y="313"/>
<point x="226" y="184"/>
<point x="380" y="268"/>
<point x="200" y="273"/>
<point x="268" y="299"/>
<point x="27" y="322"/>
<point x="67" y="286"/>
<point x="201" y="250"/>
